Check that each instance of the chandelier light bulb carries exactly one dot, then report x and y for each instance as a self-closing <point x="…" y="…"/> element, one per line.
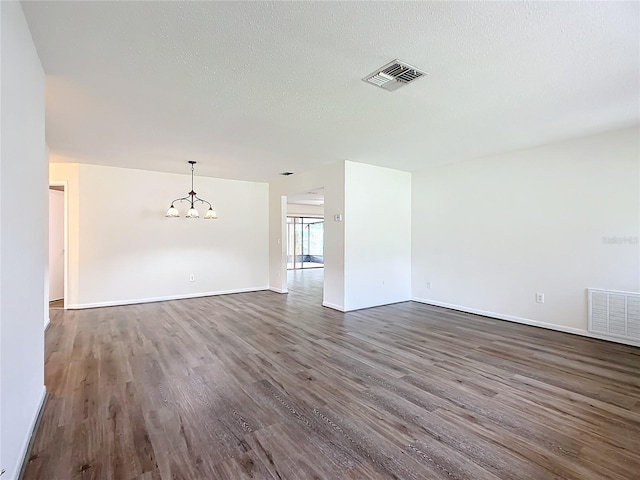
<point x="192" y="213"/>
<point x="172" y="212"/>
<point x="211" y="214"/>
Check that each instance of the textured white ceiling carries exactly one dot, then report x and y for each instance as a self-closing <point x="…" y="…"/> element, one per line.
<point x="312" y="197"/>
<point x="253" y="89"/>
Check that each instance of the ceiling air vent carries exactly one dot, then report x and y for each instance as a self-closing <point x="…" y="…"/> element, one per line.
<point x="393" y="75"/>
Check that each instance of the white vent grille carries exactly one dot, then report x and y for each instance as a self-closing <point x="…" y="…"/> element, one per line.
<point x="614" y="314"/>
<point x="394" y="75"/>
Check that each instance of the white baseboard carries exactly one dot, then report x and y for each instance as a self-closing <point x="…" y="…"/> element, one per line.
<point x="278" y="290"/>
<point x="26" y="444"/>
<point x="333" y="306"/>
<point x="526" y="321"/>
<point x="134" y="301"/>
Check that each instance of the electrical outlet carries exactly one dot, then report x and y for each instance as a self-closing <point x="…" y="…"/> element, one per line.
<point x="539" y="297"/>
<point x="192" y="278"/>
<point x="428" y="284"/>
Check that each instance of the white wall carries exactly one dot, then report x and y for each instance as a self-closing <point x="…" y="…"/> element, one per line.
<point x="331" y="177"/>
<point x="56" y="245"/>
<point x="377" y="223"/>
<point x="490" y="233"/>
<point x="123" y="250"/>
<point x="23" y="238"/>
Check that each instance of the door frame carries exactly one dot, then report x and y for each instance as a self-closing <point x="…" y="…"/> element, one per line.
<point x="65" y="188"/>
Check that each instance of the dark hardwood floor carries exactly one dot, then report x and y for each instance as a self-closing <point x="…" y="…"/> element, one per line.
<point x="57" y="303"/>
<point x="268" y="386"/>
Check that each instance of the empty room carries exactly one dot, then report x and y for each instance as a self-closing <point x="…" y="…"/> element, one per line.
<point x="319" y="240"/>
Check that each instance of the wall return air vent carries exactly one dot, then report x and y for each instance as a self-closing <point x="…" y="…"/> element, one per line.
<point x="394" y="75"/>
<point x="614" y="314"/>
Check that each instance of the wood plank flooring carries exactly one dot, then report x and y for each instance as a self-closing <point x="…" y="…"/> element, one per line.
<point x="268" y="386"/>
<point x="57" y="303"/>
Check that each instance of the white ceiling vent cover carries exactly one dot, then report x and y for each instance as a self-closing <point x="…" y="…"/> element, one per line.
<point x="394" y="75"/>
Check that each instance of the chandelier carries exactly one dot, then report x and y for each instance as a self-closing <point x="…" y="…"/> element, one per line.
<point x="192" y="198"/>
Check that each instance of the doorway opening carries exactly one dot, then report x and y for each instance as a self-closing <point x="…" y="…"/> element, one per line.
<point x="305" y="235"/>
<point x="305" y="242"/>
<point x="57" y="245"/>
